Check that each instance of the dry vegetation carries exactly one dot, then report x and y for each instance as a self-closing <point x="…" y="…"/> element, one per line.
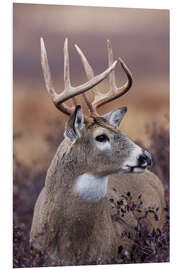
<point x="148" y="246"/>
<point x="141" y="37"/>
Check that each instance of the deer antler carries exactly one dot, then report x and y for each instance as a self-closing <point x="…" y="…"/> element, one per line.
<point x="69" y="91"/>
<point x="114" y="92"/>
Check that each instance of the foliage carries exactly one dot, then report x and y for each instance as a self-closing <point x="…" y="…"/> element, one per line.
<point x="148" y="246"/>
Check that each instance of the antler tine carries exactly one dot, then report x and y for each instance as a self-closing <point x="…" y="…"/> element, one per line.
<point x="67" y="82"/>
<point x="69" y="91"/>
<point x="112" y="81"/>
<point x="114" y="91"/>
<point x="90" y="74"/>
<point x="47" y="77"/>
<point x="46" y="71"/>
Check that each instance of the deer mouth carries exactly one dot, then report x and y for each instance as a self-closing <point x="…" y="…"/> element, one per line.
<point x="136" y="169"/>
<point x="144" y="160"/>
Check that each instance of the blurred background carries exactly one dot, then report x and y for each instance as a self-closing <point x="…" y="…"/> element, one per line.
<point x="139" y="36"/>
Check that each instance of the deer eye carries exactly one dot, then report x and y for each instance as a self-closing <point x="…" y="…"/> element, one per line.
<point x="102" y="138"/>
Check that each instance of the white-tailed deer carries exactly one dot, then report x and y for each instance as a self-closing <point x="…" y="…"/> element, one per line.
<point x="93" y="168"/>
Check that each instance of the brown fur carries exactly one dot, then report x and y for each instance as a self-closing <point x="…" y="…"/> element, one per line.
<point x="65" y="225"/>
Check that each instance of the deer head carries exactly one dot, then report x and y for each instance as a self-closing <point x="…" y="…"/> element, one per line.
<point x="98" y="136"/>
<point x="74" y="207"/>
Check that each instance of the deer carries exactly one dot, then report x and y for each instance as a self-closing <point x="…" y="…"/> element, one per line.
<point x="93" y="167"/>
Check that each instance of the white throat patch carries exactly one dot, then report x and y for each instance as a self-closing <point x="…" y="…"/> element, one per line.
<point x="90" y="187"/>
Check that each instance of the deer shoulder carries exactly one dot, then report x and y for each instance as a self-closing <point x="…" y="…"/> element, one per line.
<point x="96" y="175"/>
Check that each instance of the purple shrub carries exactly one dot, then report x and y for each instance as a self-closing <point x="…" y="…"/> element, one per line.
<point x="148" y="246"/>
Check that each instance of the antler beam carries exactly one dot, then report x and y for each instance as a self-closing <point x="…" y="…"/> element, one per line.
<point x="69" y="91"/>
<point x="114" y="92"/>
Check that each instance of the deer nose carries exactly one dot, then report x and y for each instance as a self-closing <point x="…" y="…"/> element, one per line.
<point x="145" y="159"/>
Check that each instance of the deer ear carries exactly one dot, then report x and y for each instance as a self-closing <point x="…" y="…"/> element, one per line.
<point x="75" y="124"/>
<point x="114" y="118"/>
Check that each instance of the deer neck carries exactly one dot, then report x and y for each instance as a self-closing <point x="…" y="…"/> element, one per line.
<point x="67" y="171"/>
<point x="78" y="195"/>
<point x="90" y="187"/>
